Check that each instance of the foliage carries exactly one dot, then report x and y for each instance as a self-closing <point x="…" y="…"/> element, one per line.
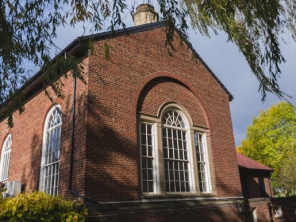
<point x="41" y="207"/>
<point x="28" y="30"/>
<point x="254" y="26"/>
<point x="270" y="138"/>
<point x="287" y="173"/>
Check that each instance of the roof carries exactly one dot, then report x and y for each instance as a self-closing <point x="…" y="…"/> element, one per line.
<point x="246" y="162"/>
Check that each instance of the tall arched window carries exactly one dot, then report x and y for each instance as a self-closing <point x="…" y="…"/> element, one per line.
<point x="5" y="159"/>
<point x="50" y="163"/>
<point x="174" y="157"/>
<point x="175" y="152"/>
<point x="175" y="143"/>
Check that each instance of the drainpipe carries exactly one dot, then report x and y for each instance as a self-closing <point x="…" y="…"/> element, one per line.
<point x="72" y="146"/>
<point x="72" y="156"/>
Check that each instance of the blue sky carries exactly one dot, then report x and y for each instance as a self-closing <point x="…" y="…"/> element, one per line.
<point x="230" y="67"/>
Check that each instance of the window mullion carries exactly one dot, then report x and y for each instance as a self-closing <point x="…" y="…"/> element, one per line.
<point x="51" y="150"/>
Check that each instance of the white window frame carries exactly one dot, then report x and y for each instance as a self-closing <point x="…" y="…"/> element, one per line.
<point x="189" y="148"/>
<point x="159" y="168"/>
<point x="155" y="155"/>
<point x="207" y="163"/>
<point x="5" y="159"/>
<point x="44" y="149"/>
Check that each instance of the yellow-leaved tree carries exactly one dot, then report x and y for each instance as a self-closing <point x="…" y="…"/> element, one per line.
<point x="270" y="140"/>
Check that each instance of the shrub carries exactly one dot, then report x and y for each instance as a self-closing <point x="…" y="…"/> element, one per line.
<point x="39" y="206"/>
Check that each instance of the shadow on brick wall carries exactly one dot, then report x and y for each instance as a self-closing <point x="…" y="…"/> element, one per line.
<point x="112" y="175"/>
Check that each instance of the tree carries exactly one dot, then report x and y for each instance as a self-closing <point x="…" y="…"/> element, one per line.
<point x="270" y="140"/>
<point x="27" y="30"/>
<point x="287" y="178"/>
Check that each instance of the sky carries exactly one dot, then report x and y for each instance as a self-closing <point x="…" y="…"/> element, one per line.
<point x="230" y="67"/>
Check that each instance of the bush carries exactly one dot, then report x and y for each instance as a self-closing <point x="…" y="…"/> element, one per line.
<point x="39" y="206"/>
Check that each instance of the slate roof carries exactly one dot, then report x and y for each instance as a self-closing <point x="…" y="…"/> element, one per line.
<point x="246" y="162"/>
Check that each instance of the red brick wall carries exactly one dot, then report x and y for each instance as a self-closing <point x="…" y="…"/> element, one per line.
<point x="167" y="211"/>
<point x="112" y="136"/>
<point x="254" y="188"/>
<point x="268" y="187"/>
<point x="162" y="90"/>
<point x="253" y="185"/>
<point x="27" y="139"/>
<point x="265" y="208"/>
<point x="106" y="118"/>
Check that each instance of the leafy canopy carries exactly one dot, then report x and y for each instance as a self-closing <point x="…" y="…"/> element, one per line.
<point x="270" y="139"/>
<point x="28" y="29"/>
<point x="287" y="178"/>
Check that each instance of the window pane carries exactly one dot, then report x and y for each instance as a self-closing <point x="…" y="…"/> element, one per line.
<point x="175" y="160"/>
<point x="149" y="128"/>
<point x="176" y="154"/>
<point x="149" y="138"/>
<point x="164" y="132"/>
<point x="144" y="173"/>
<point x="175" y="144"/>
<point x="174" y="133"/>
<point x="144" y="164"/>
<point x="5" y="160"/>
<point x="143" y="139"/>
<point x="143" y="128"/>
<point x="165" y="153"/>
<point x="172" y="187"/>
<point x="166" y="173"/>
<point x="52" y="153"/>
<point x="202" y="163"/>
<point x="150" y="151"/>
<point x="150" y="175"/>
<point x="182" y="187"/>
<point x="149" y="163"/>
<point x="144" y="150"/>
<point x="164" y="142"/>
<point x="167" y="186"/>
<point x="169" y="133"/>
<point x="171" y="165"/>
<point x="147" y="157"/>
<point x="145" y="188"/>
<point x="150" y="183"/>
<point x="171" y="155"/>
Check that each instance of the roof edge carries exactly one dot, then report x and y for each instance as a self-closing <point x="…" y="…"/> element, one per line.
<point x="127" y="31"/>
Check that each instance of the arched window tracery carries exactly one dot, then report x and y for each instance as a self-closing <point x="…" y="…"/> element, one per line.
<point x="50" y="164"/>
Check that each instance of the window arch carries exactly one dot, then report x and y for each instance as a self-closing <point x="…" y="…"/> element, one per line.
<point x="50" y="163"/>
<point x="5" y="159"/>
<point x="173" y="154"/>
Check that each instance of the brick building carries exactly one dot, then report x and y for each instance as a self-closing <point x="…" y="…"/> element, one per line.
<point x="254" y="177"/>
<point x="153" y="141"/>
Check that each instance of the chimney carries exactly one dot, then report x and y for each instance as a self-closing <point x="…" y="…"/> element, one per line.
<point x="145" y="14"/>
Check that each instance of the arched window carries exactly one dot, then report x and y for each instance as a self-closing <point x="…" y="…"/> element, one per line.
<point x="50" y="163"/>
<point x="5" y="159"/>
<point x="175" y="150"/>
<point x="173" y="154"/>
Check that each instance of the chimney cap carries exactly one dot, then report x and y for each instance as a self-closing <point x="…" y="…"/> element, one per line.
<point x="145" y="6"/>
<point x="144" y="14"/>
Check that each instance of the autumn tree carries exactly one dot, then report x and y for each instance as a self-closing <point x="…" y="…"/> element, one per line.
<point x="287" y="173"/>
<point x="28" y="29"/>
<point x="270" y="140"/>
